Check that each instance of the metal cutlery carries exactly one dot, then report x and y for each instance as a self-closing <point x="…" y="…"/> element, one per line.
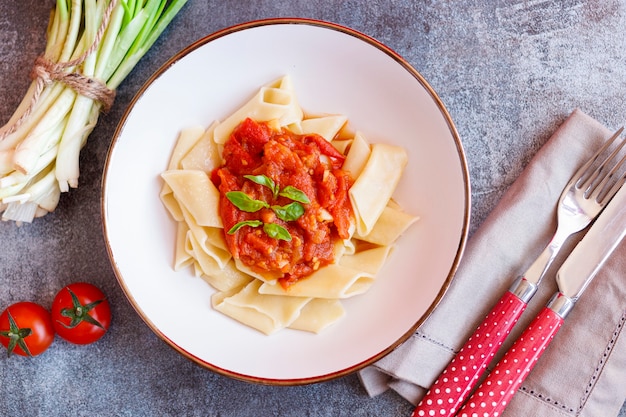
<point x="583" y="198"/>
<point x="573" y="277"/>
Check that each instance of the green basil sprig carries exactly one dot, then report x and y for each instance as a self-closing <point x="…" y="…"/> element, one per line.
<point x="273" y="230"/>
<point x="290" y="192"/>
<point x="294" y="194"/>
<point x="243" y="201"/>
<point x="290" y="212"/>
<point x="251" y="223"/>
<point x="265" y="181"/>
<point x="276" y="231"/>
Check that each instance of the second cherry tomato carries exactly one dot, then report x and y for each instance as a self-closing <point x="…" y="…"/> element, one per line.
<point x="81" y="313"/>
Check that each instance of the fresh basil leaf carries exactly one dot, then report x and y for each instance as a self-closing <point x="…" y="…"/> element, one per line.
<point x="251" y="223"/>
<point x="265" y="181"/>
<point x="290" y="212"/>
<point x="294" y="194"/>
<point x="276" y="231"/>
<point x="243" y="201"/>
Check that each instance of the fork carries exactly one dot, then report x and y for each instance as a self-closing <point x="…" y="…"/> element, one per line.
<point x="583" y="198"/>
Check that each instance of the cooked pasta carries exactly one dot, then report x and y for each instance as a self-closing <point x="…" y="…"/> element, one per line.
<point x="266" y="293"/>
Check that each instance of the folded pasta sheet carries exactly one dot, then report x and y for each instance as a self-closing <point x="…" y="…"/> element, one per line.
<point x="194" y="191"/>
<point x="326" y="126"/>
<point x="352" y="275"/>
<point x="318" y="314"/>
<point x="208" y="256"/>
<point x="266" y="313"/>
<point x="182" y="257"/>
<point x="375" y="185"/>
<point x="333" y="281"/>
<point x="357" y="156"/>
<point x="204" y="155"/>
<point x="225" y="279"/>
<point x="389" y="226"/>
<point x="185" y="141"/>
<point x="369" y="260"/>
<point x="275" y="101"/>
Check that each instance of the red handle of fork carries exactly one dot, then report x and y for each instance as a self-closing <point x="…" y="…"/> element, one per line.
<point x="461" y="375"/>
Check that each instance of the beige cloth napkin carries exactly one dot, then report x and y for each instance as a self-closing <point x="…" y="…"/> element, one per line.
<point x="583" y="371"/>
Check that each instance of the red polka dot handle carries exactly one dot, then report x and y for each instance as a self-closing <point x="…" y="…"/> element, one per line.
<point x="457" y="380"/>
<point x="493" y="395"/>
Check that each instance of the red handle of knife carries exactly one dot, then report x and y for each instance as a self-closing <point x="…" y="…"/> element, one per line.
<point x="457" y="380"/>
<point x="495" y="393"/>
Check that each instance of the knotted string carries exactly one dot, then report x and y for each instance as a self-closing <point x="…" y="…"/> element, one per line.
<point x="46" y="71"/>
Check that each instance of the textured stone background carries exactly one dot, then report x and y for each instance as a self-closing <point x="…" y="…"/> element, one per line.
<point x="509" y="72"/>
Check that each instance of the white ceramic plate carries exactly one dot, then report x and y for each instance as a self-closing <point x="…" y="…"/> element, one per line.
<point x="335" y="70"/>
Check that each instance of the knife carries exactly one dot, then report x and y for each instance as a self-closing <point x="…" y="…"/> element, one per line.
<point x="574" y="276"/>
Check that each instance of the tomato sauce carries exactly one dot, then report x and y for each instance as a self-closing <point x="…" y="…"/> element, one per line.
<point x="307" y="162"/>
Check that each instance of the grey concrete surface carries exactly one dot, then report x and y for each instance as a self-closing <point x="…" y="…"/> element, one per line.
<point x="508" y="71"/>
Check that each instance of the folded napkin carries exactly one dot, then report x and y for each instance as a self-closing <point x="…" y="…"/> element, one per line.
<point x="583" y="371"/>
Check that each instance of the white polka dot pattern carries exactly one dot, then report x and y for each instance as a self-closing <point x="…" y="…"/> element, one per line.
<point x="461" y="375"/>
<point x="493" y="395"/>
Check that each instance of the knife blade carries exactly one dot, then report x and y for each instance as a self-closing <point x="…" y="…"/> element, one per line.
<point x="573" y="277"/>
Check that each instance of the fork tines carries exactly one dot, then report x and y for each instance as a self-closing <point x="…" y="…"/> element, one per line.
<point x="610" y="171"/>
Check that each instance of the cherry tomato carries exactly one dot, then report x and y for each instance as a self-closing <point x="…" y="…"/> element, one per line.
<point x="26" y="329"/>
<point x="81" y="313"/>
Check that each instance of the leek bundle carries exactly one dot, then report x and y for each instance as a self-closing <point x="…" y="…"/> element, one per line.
<point x="92" y="45"/>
